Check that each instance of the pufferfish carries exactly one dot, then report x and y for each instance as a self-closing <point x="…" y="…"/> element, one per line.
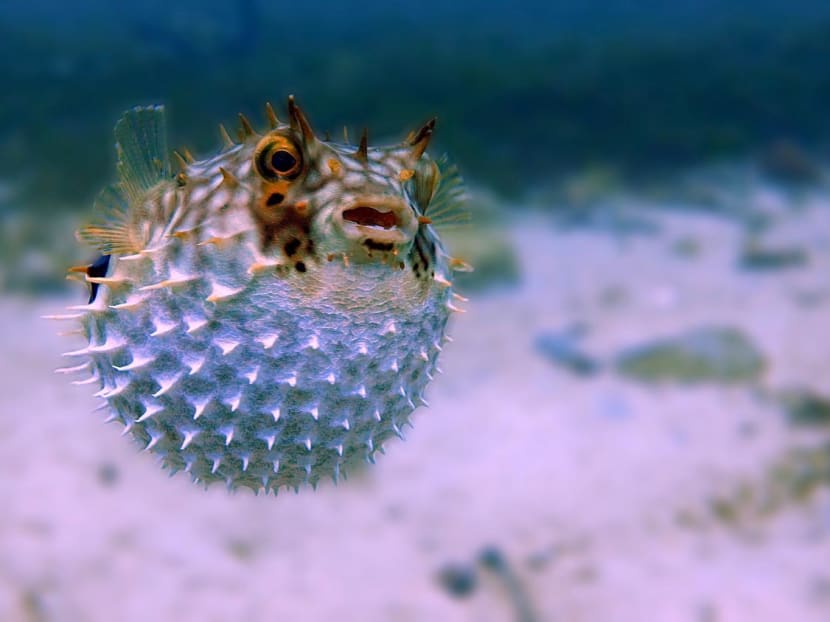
<point x="269" y="316"/>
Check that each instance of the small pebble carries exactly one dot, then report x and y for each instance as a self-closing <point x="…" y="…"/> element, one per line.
<point x="493" y="559"/>
<point x="107" y="474"/>
<point x="458" y="579"/>
<point x="561" y="349"/>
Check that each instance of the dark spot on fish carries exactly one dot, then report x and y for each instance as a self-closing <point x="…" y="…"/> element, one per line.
<point x="431" y="248"/>
<point x="291" y="246"/>
<point x="300" y="266"/>
<point x="420" y="251"/>
<point x="275" y="199"/>
<point x="98" y="269"/>
<point x="279" y="227"/>
<point x="378" y="246"/>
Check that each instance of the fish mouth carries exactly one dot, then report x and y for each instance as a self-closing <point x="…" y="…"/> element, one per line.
<point x="378" y="222"/>
<point x="366" y="216"/>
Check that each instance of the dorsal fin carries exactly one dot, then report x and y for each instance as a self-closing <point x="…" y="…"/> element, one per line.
<point x="143" y="159"/>
<point x="143" y="163"/>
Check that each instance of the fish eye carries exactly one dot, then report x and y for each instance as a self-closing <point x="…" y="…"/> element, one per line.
<point x="277" y="157"/>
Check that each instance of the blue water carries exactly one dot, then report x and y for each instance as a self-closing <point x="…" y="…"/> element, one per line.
<point x="524" y="90"/>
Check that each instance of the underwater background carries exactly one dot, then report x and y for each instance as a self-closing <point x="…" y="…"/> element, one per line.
<point x="634" y="422"/>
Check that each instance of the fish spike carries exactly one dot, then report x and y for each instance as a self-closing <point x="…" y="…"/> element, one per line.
<point x="111" y="281"/>
<point x="180" y="160"/>
<point x="227" y="432"/>
<point x="441" y="280"/>
<point x="78" y="269"/>
<point x="222" y="292"/>
<point x="149" y="411"/>
<point x="188" y="156"/>
<point x="74" y="369"/>
<point x="188" y="436"/>
<point x="226" y="138"/>
<point x="298" y="120"/>
<point x="93" y="378"/>
<point x="155" y="437"/>
<point x="229" y="179"/>
<point x="362" y="152"/>
<point x="459" y="265"/>
<point x="420" y="140"/>
<point x="273" y="119"/>
<point x="247" y="128"/>
<point x="63" y="316"/>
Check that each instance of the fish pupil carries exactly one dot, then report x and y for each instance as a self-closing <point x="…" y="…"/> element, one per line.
<point x="282" y="161"/>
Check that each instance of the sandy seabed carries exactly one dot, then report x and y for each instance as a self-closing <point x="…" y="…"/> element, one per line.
<point x="597" y="491"/>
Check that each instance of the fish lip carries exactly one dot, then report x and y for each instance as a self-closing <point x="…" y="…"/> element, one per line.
<point x="396" y="223"/>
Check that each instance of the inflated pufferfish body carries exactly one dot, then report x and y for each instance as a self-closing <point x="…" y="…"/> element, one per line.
<point x="268" y="316"/>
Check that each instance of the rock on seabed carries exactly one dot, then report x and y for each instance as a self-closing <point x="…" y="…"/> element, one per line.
<point x="719" y="354"/>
